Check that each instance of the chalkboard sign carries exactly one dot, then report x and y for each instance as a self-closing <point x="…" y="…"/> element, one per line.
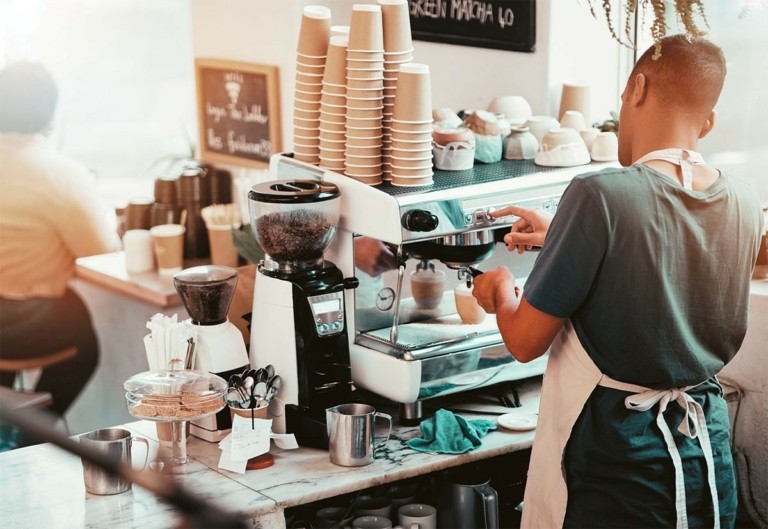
<point x="238" y="111"/>
<point x="498" y="24"/>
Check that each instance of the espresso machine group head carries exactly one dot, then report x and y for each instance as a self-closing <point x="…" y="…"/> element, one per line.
<point x="298" y="322"/>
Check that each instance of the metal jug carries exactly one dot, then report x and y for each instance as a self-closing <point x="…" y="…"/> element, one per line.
<point x="466" y="501"/>
<point x="351" y="434"/>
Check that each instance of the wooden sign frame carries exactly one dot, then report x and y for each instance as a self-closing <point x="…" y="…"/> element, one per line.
<point x="234" y="132"/>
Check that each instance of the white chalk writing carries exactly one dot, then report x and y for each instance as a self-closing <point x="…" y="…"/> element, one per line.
<point x="463" y="11"/>
<point x="238" y="143"/>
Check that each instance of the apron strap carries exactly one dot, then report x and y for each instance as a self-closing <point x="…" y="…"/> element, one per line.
<point x="683" y="158"/>
<point x="693" y="425"/>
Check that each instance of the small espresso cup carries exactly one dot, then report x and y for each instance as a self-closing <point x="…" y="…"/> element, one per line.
<point x="427" y="288"/>
<point x="333" y="517"/>
<point x="417" y="516"/>
<point x="469" y="310"/>
<point x="111" y="442"/>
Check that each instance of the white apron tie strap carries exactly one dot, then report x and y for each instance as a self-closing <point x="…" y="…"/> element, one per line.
<point x="693" y="425"/>
<point x="683" y="158"/>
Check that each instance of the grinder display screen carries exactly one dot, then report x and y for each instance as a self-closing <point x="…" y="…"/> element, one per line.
<point x="323" y="307"/>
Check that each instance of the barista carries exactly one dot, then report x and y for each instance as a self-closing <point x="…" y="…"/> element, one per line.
<point x="641" y="289"/>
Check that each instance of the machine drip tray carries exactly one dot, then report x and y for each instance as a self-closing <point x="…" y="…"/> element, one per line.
<point x="426" y="338"/>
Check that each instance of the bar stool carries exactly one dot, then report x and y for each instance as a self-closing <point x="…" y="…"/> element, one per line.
<point x="20" y="365"/>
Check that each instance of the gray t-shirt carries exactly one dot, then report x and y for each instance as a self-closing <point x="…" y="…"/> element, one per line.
<point x="654" y="277"/>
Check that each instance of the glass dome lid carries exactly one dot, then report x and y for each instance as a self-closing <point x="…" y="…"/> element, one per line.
<point x="182" y="395"/>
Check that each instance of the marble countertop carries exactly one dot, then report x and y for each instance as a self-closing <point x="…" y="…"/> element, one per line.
<point x="42" y="486"/>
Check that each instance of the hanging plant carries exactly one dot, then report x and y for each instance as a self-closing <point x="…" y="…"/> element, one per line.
<point x="687" y="12"/>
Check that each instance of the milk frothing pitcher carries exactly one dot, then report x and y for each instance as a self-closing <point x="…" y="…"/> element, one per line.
<point x="351" y="434"/>
<point x="466" y="501"/>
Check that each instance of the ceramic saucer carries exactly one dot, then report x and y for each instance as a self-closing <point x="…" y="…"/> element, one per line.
<point x="518" y="421"/>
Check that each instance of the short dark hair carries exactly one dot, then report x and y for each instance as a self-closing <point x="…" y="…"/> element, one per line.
<point x="689" y="73"/>
<point x="28" y="96"/>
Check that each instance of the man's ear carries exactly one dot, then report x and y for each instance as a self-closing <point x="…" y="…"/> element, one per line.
<point x="709" y="124"/>
<point x="639" y="89"/>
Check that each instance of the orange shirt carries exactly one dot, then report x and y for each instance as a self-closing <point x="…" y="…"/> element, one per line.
<point x="50" y="214"/>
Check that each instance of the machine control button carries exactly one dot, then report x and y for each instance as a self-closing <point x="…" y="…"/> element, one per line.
<point x="335" y="326"/>
<point x="322" y="329"/>
<point x="419" y="220"/>
<point x="548" y="205"/>
<point x="351" y="282"/>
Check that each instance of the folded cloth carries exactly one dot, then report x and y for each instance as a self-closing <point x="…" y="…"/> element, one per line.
<point x="448" y="433"/>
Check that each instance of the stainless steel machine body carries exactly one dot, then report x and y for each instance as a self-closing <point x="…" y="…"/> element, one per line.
<point x="397" y="350"/>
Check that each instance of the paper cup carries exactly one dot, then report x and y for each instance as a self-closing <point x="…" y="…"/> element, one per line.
<point x="314" y="61"/>
<point x="370" y="180"/>
<point x="423" y="172"/>
<point x="307" y="106"/>
<point x="312" y="70"/>
<point x="168" y="244"/>
<point x="364" y="134"/>
<point x="576" y="95"/>
<point x="363" y="123"/>
<point x="315" y="31"/>
<point x="365" y="84"/>
<point x="400" y="181"/>
<point x="366" y="32"/>
<point x="364" y="55"/>
<point x="223" y="251"/>
<point x="333" y="99"/>
<point x="340" y="31"/>
<point x="396" y="24"/>
<point x="399" y="154"/>
<point x="312" y="160"/>
<point x="362" y="170"/>
<point x="332" y="117"/>
<point x="469" y="310"/>
<point x="365" y="93"/>
<point x="306" y="115"/>
<point x="336" y="62"/>
<point x="412" y="136"/>
<point x="411" y="165"/>
<point x="363" y="150"/>
<point x="308" y="96"/>
<point x="414" y="93"/>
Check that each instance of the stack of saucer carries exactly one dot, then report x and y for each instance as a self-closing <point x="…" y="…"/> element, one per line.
<point x="310" y="65"/>
<point x="411" y="153"/>
<point x="365" y="94"/>
<point x="398" y="50"/>
<point x="333" y="106"/>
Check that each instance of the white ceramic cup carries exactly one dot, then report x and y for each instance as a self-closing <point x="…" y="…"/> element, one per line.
<point x="427" y="287"/>
<point x="380" y="507"/>
<point x="540" y="125"/>
<point x="139" y="255"/>
<point x="417" y="516"/>
<point x="573" y="119"/>
<point x="371" y="522"/>
<point x="589" y="135"/>
<point x="605" y="148"/>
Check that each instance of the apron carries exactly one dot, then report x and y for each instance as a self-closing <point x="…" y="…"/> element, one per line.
<point x="569" y="380"/>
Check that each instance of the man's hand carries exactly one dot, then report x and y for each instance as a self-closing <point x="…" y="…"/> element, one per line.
<point x="494" y="288"/>
<point x="528" y="231"/>
<point x="373" y="257"/>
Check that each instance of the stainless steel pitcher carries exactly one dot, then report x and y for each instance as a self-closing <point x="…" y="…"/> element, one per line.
<point x="466" y="501"/>
<point x="351" y="434"/>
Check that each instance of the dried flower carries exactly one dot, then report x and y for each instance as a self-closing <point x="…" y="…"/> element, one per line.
<point x="686" y="10"/>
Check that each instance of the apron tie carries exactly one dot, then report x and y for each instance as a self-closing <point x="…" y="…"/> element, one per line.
<point x="693" y="425"/>
<point x="683" y="158"/>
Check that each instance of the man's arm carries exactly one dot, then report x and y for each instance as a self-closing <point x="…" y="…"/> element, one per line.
<point x="527" y="332"/>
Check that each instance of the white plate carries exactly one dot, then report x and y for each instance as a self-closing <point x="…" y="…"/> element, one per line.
<point x="466" y="379"/>
<point x="518" y="421"/>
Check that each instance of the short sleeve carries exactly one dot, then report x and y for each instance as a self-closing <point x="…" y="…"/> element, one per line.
<point x="568" y="263"/>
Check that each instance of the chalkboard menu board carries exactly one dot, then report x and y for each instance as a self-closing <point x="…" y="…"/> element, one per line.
<point x="499" y="24"/>
<point x="238" y="111"/>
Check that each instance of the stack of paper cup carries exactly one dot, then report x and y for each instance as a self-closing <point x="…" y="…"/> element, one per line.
<point x="333" y="106"/>
<point x="411" y="152"/>
<point x="365" y="94"/>
<point x="311" y="51"/>
<point x="398" y="50"/>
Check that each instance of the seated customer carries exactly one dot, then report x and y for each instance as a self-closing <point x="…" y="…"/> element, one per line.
<point x="50" y="215"/>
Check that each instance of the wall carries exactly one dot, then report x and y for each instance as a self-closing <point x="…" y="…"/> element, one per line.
<point x="570" y="44"/>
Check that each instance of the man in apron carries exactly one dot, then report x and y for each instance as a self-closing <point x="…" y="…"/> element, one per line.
<point x="641" y="289"/>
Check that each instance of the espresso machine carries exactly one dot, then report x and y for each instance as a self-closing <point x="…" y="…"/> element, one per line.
<point x="219" y="347"/>
<point x="298" y="322"/>
<point x="398" y="350"/>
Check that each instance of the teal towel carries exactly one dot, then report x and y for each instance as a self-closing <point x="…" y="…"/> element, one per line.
<point x="448" y="433"/>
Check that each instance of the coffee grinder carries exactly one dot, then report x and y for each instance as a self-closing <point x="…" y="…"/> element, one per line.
<point x="298" y="322"/>
<point x="206" y="292"/>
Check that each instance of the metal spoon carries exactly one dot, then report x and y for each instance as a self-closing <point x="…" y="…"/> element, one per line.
<point x="273" y="385"/>
<point x="270" y="369"/>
